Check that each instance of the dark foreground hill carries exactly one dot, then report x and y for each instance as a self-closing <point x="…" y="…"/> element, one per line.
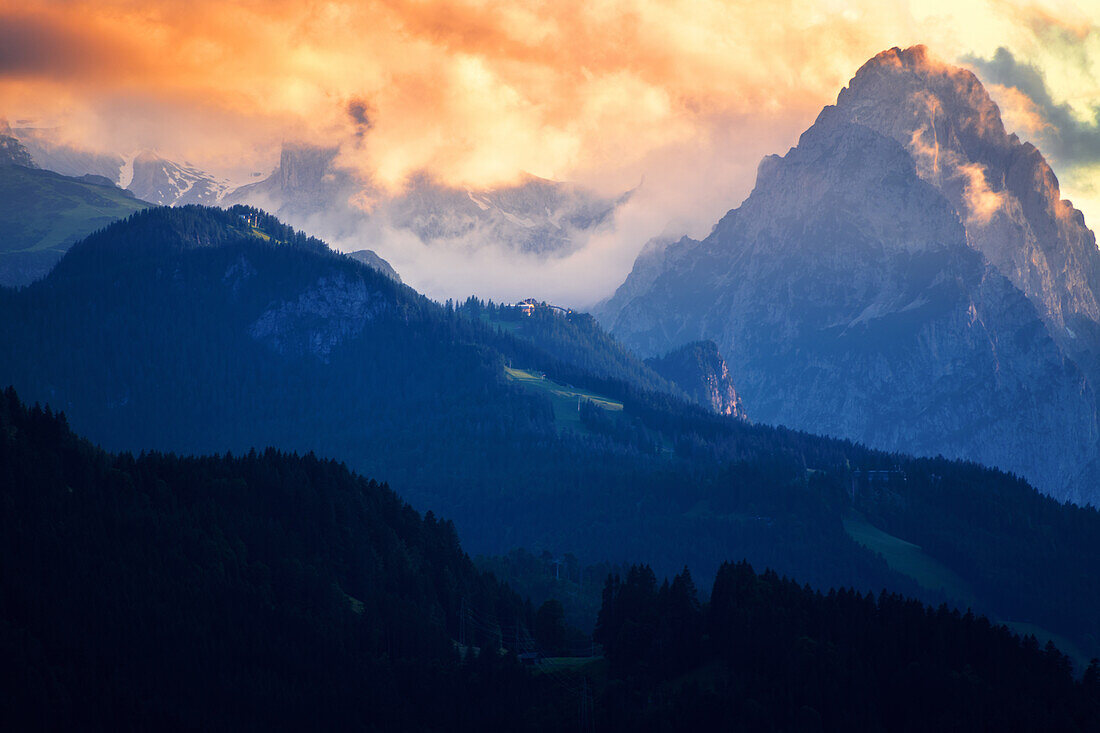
<point x="254" y="592"/>
<point x="200" y="330"/>
<point x="765" y="653"/>
<point x="272" y="591"/>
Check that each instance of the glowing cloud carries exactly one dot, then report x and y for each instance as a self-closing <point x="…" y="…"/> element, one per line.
<point x="686" y="95"/>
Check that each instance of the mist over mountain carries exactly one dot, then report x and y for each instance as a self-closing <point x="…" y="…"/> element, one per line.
<point x="859" y="290"/>
<point x="52" y="154"/>
<point x="532" y="217"/>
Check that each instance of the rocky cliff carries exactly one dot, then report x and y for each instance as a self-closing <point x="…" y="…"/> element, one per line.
<point x="699" y="369"/>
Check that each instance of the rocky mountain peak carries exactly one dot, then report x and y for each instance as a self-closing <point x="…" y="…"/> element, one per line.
<point x="863" y="291"/>
<point x="1005" y="192"/>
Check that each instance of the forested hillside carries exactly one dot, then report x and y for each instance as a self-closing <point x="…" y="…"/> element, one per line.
<point x="199" y="331"/>
<point x="236" y="593"/>
<point x="270" y="590"/>
<point x="766" y="653"/>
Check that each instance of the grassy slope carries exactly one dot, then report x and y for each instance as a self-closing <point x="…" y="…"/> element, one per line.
<point x="41" y="210"/>
<point x="566" y="400"/>
<point x="912" y="560"/>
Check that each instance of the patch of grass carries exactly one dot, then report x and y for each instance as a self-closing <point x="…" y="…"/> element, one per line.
<point x="565" y="400"/>
<point x="909" y="559"/>
<point x="42" y="211"/>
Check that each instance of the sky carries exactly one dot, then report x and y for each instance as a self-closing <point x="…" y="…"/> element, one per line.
<point x="679" y="98"/>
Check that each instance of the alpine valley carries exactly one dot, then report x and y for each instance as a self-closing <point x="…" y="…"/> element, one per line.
<point x="831" y="467"/>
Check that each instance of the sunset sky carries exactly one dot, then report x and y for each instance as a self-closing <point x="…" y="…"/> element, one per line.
<point x="685" y="96"/>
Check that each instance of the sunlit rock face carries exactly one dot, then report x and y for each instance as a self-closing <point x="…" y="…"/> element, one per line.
<point x="699" y="369"/>
<point x="848" y="299"/>
<point x="1006" y="194"/>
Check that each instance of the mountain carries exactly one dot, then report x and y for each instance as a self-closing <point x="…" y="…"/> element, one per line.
<point x="534" y="216"/>
<point x="198" y="330"/>
<point x="849" y="299"/>
<point x="146" y="174"/>
<point x="12" y="152"/>
<point x="371" y="259"/>
<point x="583" y="349"/>
<point x="699" y="369"/>
<point x="166" y="183"/>
<point x="42" y="213"/>
<point x="1006" y="194"/>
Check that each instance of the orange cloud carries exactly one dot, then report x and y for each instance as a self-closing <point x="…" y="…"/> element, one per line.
<point x="686" y="95"/>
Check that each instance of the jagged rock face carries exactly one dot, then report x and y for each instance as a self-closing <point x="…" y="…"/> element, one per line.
<point x="12" y="152"/>
<point x="306" y="182"/>
<point x="1006" y="194"/>
<point x="699" y="369"/>
<point x="371" y="259"/>
<point x="165" y="183"/>
<point x="848" y="302"/>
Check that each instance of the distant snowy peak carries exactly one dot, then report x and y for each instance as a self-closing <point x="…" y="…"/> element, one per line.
<point x="149" y="176"/>
<point x="166" y="183"/>
<point x="535" y="216"/>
